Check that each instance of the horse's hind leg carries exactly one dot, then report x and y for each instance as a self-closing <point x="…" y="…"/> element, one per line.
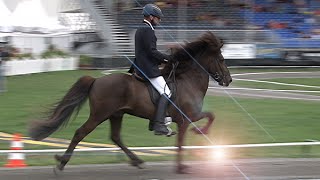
<point x="80" y="133"/>
<point x="115" y="122"/>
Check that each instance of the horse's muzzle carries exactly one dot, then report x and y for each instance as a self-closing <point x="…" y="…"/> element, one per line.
<point x="225" y="81"/>
<point x="222" y="80"/>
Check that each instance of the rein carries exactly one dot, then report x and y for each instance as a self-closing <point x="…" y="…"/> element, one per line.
<point x="172" y="74"/>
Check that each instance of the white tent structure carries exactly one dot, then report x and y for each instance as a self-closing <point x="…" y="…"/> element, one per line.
<point x="31" y="14"/>
<point x="31" y="29"/>
<point x="5" y="22"/>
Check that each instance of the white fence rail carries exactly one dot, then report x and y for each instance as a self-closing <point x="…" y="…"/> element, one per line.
<point x="19" y="67"/>
<point x="168" y="147"/>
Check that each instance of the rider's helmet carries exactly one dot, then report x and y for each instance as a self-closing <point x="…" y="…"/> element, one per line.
<point x="151" y="9"/>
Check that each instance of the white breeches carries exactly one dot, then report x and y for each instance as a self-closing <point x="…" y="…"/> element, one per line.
<point x="161" y="86"/>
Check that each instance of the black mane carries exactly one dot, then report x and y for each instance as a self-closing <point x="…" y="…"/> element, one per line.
<point x="186" y="54"/>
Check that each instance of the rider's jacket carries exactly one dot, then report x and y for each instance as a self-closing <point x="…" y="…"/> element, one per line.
<point x="148" y="58"/>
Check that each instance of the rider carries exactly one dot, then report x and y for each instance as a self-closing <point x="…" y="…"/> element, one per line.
<point x="148" y="58"/>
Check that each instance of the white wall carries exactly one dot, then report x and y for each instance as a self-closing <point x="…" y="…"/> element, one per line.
<point x="19" y="67"/>
<point x="29" y="44"/>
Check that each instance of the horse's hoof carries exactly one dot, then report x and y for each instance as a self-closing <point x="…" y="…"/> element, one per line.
<point x="183" y="169"/>
<point x="56" y="171"/>
<point x="59" y="166"/>
<point x="171" y="134"/>
<point x="141" y="166"/>
<point x="138" y="163"/>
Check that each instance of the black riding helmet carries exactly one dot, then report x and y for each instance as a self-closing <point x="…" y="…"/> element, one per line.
<point x="151" y="9"/>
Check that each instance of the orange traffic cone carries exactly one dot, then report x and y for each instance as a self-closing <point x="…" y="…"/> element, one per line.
<point x="16" y="159"/>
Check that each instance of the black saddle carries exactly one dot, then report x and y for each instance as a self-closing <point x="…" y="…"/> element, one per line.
<point x="154" y="94"/>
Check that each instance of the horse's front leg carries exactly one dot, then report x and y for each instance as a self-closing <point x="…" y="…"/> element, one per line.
<point x="182" y="128"/>
<point x="204" y="130"/>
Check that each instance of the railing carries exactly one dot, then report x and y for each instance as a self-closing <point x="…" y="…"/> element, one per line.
<point x="170" y="147"/>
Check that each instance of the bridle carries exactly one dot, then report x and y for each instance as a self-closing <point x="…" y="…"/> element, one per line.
<point x="216" y="76"/>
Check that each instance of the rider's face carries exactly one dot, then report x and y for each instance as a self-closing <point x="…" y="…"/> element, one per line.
<point x="155" y="20"/>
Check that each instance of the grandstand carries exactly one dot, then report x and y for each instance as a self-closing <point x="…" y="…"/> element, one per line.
<point x="295" y="26"/>
<point x="196" y="15"/>
<point x="296" y="23"/>
<point x="277" y="28"/>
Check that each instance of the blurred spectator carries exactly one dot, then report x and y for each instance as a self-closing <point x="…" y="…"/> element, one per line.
<point x="196" y="3"/>
<point x="240" y="4"/>
<point x="259" y="8"/>
<point x="273" y="24"/>
<point x="4" y="54"/>
<point x="301" y="34"/>
<point x="161" y="4"/>
<point x="212" y="18"/>
<point x="310" y="20"/>
<point x="209" y="17"/>
<point x="315" y="34"/>
<point x="316" y="15"/>
<point x="172" y="3"/>
<point x="254" y="27"/>
<point x="300" y="5"/>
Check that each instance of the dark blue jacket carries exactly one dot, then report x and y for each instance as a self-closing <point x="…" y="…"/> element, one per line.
<point x="148" y="58"/>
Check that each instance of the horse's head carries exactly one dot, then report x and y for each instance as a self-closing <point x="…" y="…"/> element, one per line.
<point x="206" y="52"/>
<point x="212" y="59"/>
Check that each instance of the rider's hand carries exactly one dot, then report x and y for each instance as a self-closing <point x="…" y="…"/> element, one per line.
<point x="170" y="58"/>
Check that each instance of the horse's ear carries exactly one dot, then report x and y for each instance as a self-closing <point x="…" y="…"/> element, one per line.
<point x="221" y="41"/>
<point x="208" y="35"/>
<point x="173" y="48"/>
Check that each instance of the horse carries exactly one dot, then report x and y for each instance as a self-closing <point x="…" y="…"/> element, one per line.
<point x="113" y="95"/>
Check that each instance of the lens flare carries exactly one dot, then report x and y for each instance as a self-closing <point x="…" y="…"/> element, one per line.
<point x="218" y="153"/>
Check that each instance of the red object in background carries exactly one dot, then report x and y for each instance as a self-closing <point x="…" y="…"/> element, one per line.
<point x="16" y="159"/>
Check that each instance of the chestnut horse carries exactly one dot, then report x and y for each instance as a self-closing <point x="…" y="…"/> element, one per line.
<point x="111" y="96"/>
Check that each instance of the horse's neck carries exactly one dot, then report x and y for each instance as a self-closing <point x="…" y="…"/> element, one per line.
<point x="198" y="78"/>
<point x="191" y="73"/>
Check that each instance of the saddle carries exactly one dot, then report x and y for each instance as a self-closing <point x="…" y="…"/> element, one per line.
<point x="154" y="94"/>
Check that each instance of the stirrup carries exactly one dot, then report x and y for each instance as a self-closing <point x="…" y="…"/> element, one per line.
<point x="168" y="134"/>
<point x="167" y="121"/>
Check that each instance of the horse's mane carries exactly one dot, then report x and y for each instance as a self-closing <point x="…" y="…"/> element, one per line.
<point x="187" y="53"/>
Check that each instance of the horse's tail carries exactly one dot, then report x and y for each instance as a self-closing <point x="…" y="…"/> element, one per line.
<point x="62" y="111"/>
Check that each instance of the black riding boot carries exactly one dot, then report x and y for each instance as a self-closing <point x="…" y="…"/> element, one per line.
<point x="159" y="122"/>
